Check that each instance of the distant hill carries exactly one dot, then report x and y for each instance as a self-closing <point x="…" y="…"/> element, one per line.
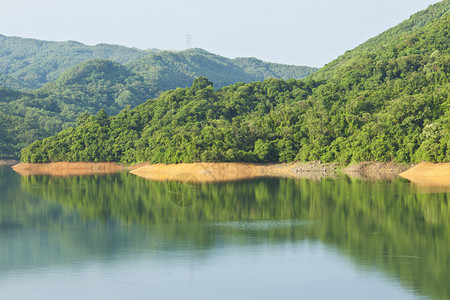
<point x="386" y="100"/>
<point x="33" y="63"/>
<point x="28" y="64"/>
<point x="86" y="88"/>
<point x="93" y="85"/>
<point x="263" y="70"/>
<point x="171" y="69"/>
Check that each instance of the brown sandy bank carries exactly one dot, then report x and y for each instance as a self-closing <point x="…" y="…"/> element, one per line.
<point x="425" y="174"/>
<point x="68" y="168"/>
<point x="217" y="172"/>
<point x="8" y="162"/>
<point x="373" y="170"/>
<point x="429" y="174"/>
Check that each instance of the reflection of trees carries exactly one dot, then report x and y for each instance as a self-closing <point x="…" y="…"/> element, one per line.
<point x="404" y="233"/>
<point x="20" y="210"/>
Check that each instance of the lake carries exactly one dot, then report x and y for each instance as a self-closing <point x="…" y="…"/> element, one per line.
<point x="124" y="237"/>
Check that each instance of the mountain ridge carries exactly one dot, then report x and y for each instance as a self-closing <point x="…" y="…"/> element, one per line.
<point x="28" y="64"/>
<point x="34" y="62"/>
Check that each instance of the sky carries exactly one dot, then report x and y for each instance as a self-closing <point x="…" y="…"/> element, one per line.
<point x="301" y="32"/>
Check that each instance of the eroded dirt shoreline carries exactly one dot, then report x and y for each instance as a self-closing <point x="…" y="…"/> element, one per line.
<point x="68" y="168"/>
<point x="211" y="172"/>
<point x="424" y="174"/>
<point x="216" y="172"/>
<point x="429" y="174"/>
<point x="198" y="172"/>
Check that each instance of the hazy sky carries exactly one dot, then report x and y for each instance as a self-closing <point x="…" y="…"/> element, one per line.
<point x="302" y="32"/>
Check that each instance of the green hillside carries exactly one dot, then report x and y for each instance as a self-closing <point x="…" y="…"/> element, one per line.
<point x="105" y="84"/>
<point x="94" y="85"/>
<point x="263" y="70"/>
<point x="171" y="69"/>
<point x="31" y="63"/>
<point x="87" y="88"/>
<point x="384" y="45"/>
<point x="28" y="64"/>
<point x="384" y="103"/>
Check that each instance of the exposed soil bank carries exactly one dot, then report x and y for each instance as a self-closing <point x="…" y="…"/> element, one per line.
<point x="424" y="174"/>
<point x="429" y="174"/>
<point x="68" y="168"/>
<point x="373" y="170"/>
<point x="8" y="162"/>
<point x="216" y="172"/>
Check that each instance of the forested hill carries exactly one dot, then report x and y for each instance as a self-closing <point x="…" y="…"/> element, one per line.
<point x="61" y="80"/>
<point x="171" y="69"/>
<point x="87" y="88"/>
<point x="31" y="63"/>
<point x="385" y="103"/>
<point x="383" y="44"/>
<point x="28" y="64"/>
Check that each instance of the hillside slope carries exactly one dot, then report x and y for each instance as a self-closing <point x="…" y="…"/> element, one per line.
<point x="32" y="63"/>
<point x="264" y="70"/>
<point x="105" y="84"/>
<point x="383" y="43"/>
<point x="388" y="103"/>
<point x="28" y="64"/>
<point x="171" y="69"/>
<point x="87" y="88"/>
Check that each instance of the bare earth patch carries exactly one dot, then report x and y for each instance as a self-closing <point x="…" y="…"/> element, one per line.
<point x="424" y="174"/>
<point x="217" y="172"/>
<point x="68" y="168"/>
<point x="198" y="172"/>
<point x="429" y="174"/>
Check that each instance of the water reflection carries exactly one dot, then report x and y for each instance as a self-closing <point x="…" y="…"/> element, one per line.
<point x="382" y="225"/>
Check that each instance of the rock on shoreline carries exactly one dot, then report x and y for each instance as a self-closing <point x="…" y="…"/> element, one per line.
<point x="8" y="162"/>
<point x="374" y="170"/>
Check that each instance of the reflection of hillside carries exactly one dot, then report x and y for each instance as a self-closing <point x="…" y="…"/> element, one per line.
<point x="19" y="210"/>
<point x="385" y="224"/>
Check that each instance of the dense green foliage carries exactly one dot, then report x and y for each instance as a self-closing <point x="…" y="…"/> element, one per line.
<point x="98" y="84"/>
<point x="384" y="41"/>
<point x="87" y="88"/>
<point x="389" y="102"/>
<point x="171" y="69"/>
<point x="264" y="70"/>
<point x="30" y="63"/>
<point x="383" y="225"/>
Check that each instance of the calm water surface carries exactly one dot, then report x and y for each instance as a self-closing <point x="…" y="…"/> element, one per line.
<point x="123" y="237"/>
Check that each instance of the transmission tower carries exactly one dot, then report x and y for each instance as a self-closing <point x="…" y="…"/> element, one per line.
<point x="188" y="41"/>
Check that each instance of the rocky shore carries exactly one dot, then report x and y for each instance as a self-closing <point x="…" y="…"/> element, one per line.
<point x="373" y="170"/>
<point x="8" y="162"/>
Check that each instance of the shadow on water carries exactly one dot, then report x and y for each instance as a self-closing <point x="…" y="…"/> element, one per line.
<point x="385" y="225"/>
